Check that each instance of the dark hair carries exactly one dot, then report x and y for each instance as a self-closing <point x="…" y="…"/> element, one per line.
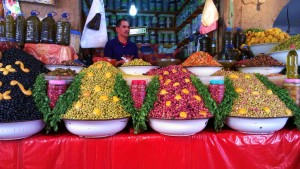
<point x="120" y="20"/>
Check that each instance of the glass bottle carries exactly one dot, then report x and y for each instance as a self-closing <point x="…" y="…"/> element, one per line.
<point x="292" y="63"/>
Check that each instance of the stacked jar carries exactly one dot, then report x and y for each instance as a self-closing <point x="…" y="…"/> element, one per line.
<point x="55" y="89"/>
<point x="138" y="92"/>
<point x="293" y="87"/>
<point x="217" y="90"/>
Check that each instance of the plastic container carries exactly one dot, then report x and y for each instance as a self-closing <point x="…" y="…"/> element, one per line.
<point x="166" y="5"/>
<point x="63" y="27"/>
<point x="217" y="90"/>
<point x="158" y="5"/>
<point x="293" y="87"/>
<point x="33" y="28"/>
<point x="117" y="4"/>
<point x="75" y="40"/>
<point x="152" y="5"/>
<point x="113" y="20"/>
<point x="145" y="5"/>
<point x="10" y="32"/>
<point x="240" y="38"/>
<point x="124" y="4"/>
<point x="48" y="29"/>
<point x="55" y="89"/>
<point x="162" y="21"/>
<point x="2" y="27"/>
<point x="292" y="63"/>
<point x="20" y="29"/>
<point x="228" y="38"/>
<point x="138" y="92"/>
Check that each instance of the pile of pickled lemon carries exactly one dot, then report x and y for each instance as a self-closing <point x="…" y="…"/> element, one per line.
<point x="273" y="35"/>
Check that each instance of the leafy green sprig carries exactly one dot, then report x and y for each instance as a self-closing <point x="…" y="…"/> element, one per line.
<point x="225" y="107"/>
<point x="283" y="96"/>
<point x="139" y="117"/>
<point x="65" y="101"/>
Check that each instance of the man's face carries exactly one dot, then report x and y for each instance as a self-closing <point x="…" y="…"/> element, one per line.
<point x="123" y="30"/>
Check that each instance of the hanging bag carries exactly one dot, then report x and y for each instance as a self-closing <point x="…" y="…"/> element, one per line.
<point x="210" y="17"/>
<point x="94" y="33"/>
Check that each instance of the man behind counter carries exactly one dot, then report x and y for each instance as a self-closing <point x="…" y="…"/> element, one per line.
<point x="121" y="48"/>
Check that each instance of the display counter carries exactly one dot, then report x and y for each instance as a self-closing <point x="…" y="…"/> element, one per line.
<point x="150" y="150"/>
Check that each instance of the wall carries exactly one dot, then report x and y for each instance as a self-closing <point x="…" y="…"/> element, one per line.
<point x="71" y="6"/>
<point x="252" y="13"/>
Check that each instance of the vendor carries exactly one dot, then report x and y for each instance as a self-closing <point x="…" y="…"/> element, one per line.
<point x="121" y="48"/>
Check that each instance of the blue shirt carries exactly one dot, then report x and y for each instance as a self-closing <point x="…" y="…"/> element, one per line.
<point x="115" y="49"/>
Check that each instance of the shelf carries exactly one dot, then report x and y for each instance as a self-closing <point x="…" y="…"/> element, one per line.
<point x="142" y="12"/>
<point x="151" y="28"/>
<point x="192" y="16"/>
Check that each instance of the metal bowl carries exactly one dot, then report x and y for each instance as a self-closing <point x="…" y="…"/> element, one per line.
<point x="167" y="62"/>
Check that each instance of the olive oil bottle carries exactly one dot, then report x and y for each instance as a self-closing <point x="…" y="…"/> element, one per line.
<point x="292" y="63"/>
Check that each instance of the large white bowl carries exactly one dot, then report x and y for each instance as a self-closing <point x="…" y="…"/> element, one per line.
<point x="262" y="48"/>
<point x="19" y="130"/>
<point x="203" y="71"/>
<point x="261" y="70"/>
<point x="206" y="79"/>
<point x="53" y="67"/>
<point x="95" y="128"/>
<point x="256" y="125"/>
<point x="136" y="70"/>
<point x="178" y="127"/>
<point x="281" y="56"/>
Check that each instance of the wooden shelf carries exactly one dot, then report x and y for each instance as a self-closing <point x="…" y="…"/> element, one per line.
<point x="143" y="12"/>
<point x="191" y="17"/>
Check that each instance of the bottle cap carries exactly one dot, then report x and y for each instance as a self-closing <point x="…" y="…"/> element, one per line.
<point x="34" y="13"/>
<point x="292" y="80"/>
<point x="8" y="13"/>
<point x="229" y="29"/>
<point x="216" y="81"/>
<point x="292" y="46"/>
<point x="65" y="15"/>
<point x="51" y="14"/>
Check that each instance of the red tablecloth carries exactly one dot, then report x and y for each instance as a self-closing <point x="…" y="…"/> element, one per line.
<point x="208" y="150"/>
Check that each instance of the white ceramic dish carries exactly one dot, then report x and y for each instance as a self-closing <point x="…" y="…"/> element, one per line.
<point x="203" y="71"/>
<point x="136" y="70"/>
<point x="256" y="125"/>
<point x="53" y="67"/>
<point x="178" y="127"/>
<point x="19" y="130"/>
<point x="261" y="70"/>
<point x="262" y="48"/>
<point x="281" y="56"/>
<point x="206" y="79"/>
<point x="95" y="128"/>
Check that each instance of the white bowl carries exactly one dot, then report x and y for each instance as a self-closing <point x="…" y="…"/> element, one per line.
<point x="203" y="71"/>
<point x="256" y="125"/>
<point x="206" y="79"/>
<point x="19" y="130"/>
<point x="95" y="128"/>
<point x="262" y="48"/>
<point x="53" y="67"/>
<point x="281" y="56"/>
<point x="261" y="70"/>
<point x="136" y="70"/>
<point x="178" y="127"/>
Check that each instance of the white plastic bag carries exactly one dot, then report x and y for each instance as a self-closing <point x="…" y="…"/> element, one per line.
<point x="210" y="13"/>
<point x="95" y="38"/>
